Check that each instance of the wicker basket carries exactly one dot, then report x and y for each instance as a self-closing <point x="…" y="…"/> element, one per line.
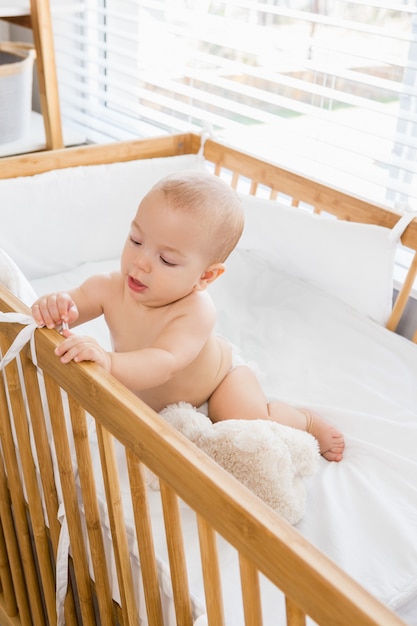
<point x="16" y="78"/>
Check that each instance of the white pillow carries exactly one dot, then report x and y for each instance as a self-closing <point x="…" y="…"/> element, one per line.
<point x="15" y="281"/>
<point x="55" y="221"/>
<point x="351" y="261"/>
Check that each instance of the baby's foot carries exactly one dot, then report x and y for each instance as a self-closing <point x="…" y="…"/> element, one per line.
<point x="331" y="440"/>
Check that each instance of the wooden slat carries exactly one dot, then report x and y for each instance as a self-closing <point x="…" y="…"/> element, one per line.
<point x="17" y="496"/>
<point x="91" y="511"/>
<point x="33" y="496"/>
<point x="10" y="578"/>
<point x="251" y="594"/>
<point x="45" y="464"/>
<point x="117" y="525"/>
<point x="403" y="296"/>
<point x="235" y="180"/>
<point x="38" y="162"/>
<point x="5" y="573"/>
<point x="5" y="619"/>
<point x="211" y="572"/>
<point x="295" y="616"/>
<point x="70" y="499"/>
<point x="16" y="599"/>
<point x="177" y="563"/>
<point x="41" y="23"/>
<point x="143" y="526"/>
<point x="253" y="187"/>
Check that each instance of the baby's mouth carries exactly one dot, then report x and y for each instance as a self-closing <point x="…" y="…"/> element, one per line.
<point x="136" y="285"/>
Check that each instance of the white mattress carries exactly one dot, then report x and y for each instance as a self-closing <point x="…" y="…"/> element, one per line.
<point x="315" y="351"/>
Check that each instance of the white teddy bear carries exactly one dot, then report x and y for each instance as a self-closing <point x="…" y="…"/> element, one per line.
<point x="270" y="459"/>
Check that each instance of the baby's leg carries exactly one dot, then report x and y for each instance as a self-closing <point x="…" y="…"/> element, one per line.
<point x="331" y="440"/>
<point x="240" y="396"/>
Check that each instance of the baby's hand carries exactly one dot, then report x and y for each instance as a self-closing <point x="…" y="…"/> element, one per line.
<point x="53" y="309"/>
<point x="77" y="348"/>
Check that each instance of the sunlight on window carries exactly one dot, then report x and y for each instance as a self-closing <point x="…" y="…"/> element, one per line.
<point x="326" y="88"/>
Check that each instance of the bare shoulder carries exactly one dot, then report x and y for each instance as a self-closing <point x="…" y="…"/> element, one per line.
<point x="200" y="305"/>
<point x="105" y="284"/>
<point x="204" y="300"/>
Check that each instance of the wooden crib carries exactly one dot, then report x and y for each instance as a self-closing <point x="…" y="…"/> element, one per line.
<point x="30" y="496"/>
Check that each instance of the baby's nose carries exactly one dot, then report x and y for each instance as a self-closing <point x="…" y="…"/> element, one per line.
<point x="142" y="260"/>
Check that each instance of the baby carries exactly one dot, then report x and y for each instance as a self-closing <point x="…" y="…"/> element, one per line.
<point x="161" y="317"/>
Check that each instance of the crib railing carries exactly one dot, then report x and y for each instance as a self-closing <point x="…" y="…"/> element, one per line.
<point x="255" y="174"/>
<point x="45" y="415"/>
<point x="278" y="182"/>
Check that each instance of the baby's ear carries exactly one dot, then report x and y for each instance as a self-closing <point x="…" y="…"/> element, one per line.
<point x="210" y="274"/>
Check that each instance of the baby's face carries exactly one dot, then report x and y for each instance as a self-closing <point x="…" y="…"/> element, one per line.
<point x="165" y="256"/>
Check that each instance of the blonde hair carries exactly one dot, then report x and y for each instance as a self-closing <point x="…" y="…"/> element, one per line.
<point x="215" y="205"/>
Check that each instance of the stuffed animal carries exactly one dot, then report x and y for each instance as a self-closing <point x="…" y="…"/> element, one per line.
<point x="270" y="459"/>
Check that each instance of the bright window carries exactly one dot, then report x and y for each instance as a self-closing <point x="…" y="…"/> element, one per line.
<point x="325" y="87"/>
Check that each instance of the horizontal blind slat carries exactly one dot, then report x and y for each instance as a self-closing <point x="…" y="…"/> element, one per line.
<point x="337" y="88"/>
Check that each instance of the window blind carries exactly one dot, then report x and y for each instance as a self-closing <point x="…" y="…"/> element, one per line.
<point x="327" y="88"/>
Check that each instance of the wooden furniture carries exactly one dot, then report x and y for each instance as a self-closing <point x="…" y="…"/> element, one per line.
<point x="30" y="529"/>
<point x="37" y="16"/>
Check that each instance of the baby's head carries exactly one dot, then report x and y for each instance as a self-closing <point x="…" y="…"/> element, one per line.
<point x="215" y="206"/>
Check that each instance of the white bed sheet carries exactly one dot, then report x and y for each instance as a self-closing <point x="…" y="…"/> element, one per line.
<point x="315" y="351"/>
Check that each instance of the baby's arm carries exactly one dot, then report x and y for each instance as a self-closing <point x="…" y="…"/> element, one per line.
<point x="177" y="345"/>
<point x="138" y="369"/>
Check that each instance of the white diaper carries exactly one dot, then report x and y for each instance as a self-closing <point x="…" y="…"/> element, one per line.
<point x="237" y="361"/>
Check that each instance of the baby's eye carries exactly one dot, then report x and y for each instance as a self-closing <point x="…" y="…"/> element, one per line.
<point x="165" y="262"/>
<point x="135" y="241"/>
